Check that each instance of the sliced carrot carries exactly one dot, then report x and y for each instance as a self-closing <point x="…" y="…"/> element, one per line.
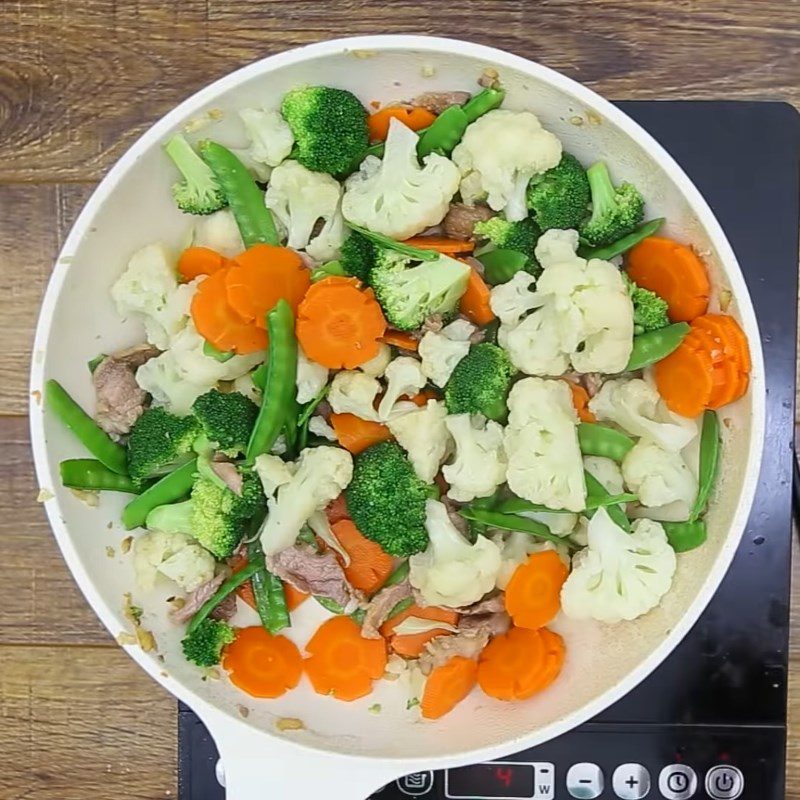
<point x="405" y="341"/>
<point x="264" y="275"/>
<point x="356" y="434"/>
<point x="411" y="645"/>
<point x="337" y="509"/>
<point x="474" y="302"/>
<point x="369" y="565"/>
<point x="725" y="329"/>
<point x="534" y="591"/>
<point x="218" y="323"/>
<point x="442" y="244"/>
<point x="725" y="378"/>
<point x="338" y="325"/>
<point x="699" y="339"/>
<point x="673" y="271"/>
<point x="414" y="117"/>
<point x="685" y="380"/>
<point x="262" y="665"/>
<point x="580" y="400"/>
<point x="520" y="663"/>
<point x="447" y="686"/>
<point x="294" y="597"/>
<point x="422" y="398"/>
<point x="342" y="663"/>
<point x="197" y="261"/>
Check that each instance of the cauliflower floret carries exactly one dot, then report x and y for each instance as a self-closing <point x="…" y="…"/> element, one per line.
<point x="541" y="443"/>
<point x="319" y="476"/>
<point x="319" y="427"/>
<point x="511" y="300"/>
<point x="480" y="462"/>
<point x="498" y="155"/>
<point x="637" y="408"/>
<point x="353" y="392"/>
<point x="376" y="366"/>
<point x="422" y="433"/>
<point x="536" y="346"/>
<point x="606" y="471"/>
<point x="619" y="575"/>
<point x="175" y="555"/>
<point x="299" y="198"/>
<point x="270" y="136"/>
<point x="441" y="351"/>
<point x="451" y="572"/>
<point x="245" y="385"/>
<point x="395" y="196"/>
<point x="273" y="472"/>
<point x="515" y="549"/>
<point x="658" y="476"/>
<point x="403" y="376"/>
<point x="311" y="377"/>
<point x="219" y="232"/>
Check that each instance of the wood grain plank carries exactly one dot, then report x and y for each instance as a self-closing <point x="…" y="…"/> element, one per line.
<point x="83" y="80"/>
<point x="82" y="722"/>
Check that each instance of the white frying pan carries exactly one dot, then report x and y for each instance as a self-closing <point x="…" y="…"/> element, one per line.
<point x="345" y="752"/>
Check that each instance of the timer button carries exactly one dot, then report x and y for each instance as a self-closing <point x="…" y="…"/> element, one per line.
<point x="585" y="781"/>
<point x="677" y="782"/>
<point x="631" y="782"/>
<point x="724" y="782"/>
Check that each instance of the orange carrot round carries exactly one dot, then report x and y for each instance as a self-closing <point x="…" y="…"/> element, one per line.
<point x="405" y="341"/>
<point x="197" y="261"/>
<point x="518" y="664"/>
<point x="218" y="323"/>
<point x="474" y="302"/>
<point x="260" y="664"/>
<point x="447" y="686"/>
<point x="414" y="117"/>
<point x="685" y="380"/>
<point x="727" y="331"/>
<point x="369" y="565"/>
<point x="342" y="663"/>
<point x="442" y="244"/>
<point x="411" y="645"/>
<point x="533" y="593"/>
<point x="673" y="271"/>
<point x="356" y="434"/>
<point x="580" y="400"/>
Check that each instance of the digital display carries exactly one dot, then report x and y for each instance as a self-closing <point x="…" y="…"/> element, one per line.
<point x="499" y="780"/>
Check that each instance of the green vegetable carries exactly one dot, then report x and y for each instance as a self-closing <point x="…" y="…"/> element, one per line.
<point x="88" y="432"/>
<point x="268" y="593"/>
<point x="482" y="103"/>
<point x="649" y="310"/>
<point x="329" y="127"/>
<point x="600" y="440"/>
<point x="331" y="605"/>
<point x="88" y="473"/>
<point x="358" y="255"/>
<point x="95" y="362"/>
<point x="244" y="197"/>
<point x="218" y="355"/>
<point x="489" y="503"/>
<point x="652" y="346"/>
<point x="280" y="389"/>
<point x="259" y="375"/>
<point x="521" y="236"/>
<point x="595" y="489"/>
<point x="169" y="489"/>
<point x="328" y="269"/>
<point x="227" y="587"/>
<point x="398" y="576"/>
<point x="199" y="192"/>
<point x="160" y="442"/>
<point x="709" y="462"/>
<point x="386" y="500"/>
<point x="510" y="522"/>
<point x="308" y="411"/>
<point x="203" y="646"/>
<point x="516" y="505"/>
<point x="227" y="419"/>
<point x="444" y="133"/>
<point x="684" y="536"/>
<point x="480" y="383"/>
<point x="500" y="266"/>
<point x="624" y="244"/>
<point x="616" y="211"/>
<point x="400" y="607"/>
<point x="559" y="197"/>
<point x="415" y="253"/>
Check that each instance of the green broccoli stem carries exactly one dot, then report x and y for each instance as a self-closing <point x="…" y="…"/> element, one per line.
<point x="88" y="473"/>
<point x="169" y="489"/>
<point x="189" y="164"/>
<point x="417" y="253"/>
<point x="228" y="586"/>
<point x="602" y="190"/>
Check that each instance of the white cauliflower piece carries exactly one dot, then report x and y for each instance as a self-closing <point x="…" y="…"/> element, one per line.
<point x="273" y="472"/>
<point x="637" y="408"/>
<point x="298" y="198"/>
<point x="177" y="556"/>
<point x="319" y="427"/>
<point x="560" y="524"/>
<point x="319" y="476"/>
<point x="451" y="572"/>
<point x="311" y="377"/>
<point x="219" y="232"/>
<point x="606" y="471"/>
<point x="511" y="300"/>
<point x="480" y="462"/>
<point x="536" y="346"/>
<point x="245" y="385"/>
<point x="619" y="575"/>
<point x="353" y="392"/>
<point x="422" y="433"/>
<point x="441" y="351"/>
<point x="541" y="443"/>
<point x="498" y="155"/>
<point x="395" y="196"/>
<point x="403" y="376"/>
<point x="658" y="476"/>
<point x="270" y="136"/>
<point x="376" y="366"/>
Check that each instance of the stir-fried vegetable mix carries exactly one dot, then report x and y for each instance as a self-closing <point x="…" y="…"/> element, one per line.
<point x="423" y="366"/>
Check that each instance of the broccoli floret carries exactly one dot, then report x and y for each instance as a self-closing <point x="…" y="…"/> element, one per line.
<point x="616" y="211"/>
<point x="329" y="127"/>
<point x="227" y="419"/>
<point x="159" y="443"/>
<point x="203" y="646"/>
<point x="520" y="236"/>
<point x="480" y="383"/>
<point x="409" y="295"/>
<point x="358" y="256"/>
<point x="198" y="192"/>
<point x="559" y="198"/>
<point x="649" y="309"/>
<point x="386" y="500"/>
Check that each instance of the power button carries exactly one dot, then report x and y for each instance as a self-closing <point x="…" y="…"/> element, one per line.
<point x="724" y="782"/>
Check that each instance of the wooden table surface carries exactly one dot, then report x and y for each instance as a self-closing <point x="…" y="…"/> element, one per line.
<point x="79" y="81"/>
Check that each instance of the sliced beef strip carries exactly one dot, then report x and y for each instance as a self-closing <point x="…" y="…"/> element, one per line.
<point x="441" y="649"/>
<point x="226" y="609"/>
<point x="489" y="605"/>
<point x="229" y="475"/>
<point x="462" y="526"/>
<point x="493" y="624"/>
<point x="380" y="606"/>
<point x="436" y="102"/>
<point x="433" y="324"/>
<point x="459" y="222"/>
<point x="196" y="599"/>
<point x="591" y="381"/>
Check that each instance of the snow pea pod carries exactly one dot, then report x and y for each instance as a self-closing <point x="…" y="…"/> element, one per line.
<point x="502" y="265"/>
<point x="280" y="390"/>
<point x="709" y="462"/>
<point x="516" y="505"/>
<point x="625" y="243"/>
<point x="400" y="607"/>
<point x="596" y="489"/>
<point x="326" y="270"/>
<point x="331" y="605"/>
<point x="228" y="586"/>
<point x="444" y="133"/>
<point x="169" y="489"/>
<point x="652" y="346"/>
<point x="482" y="103"/>
<point x="245" y="199"/>
<point x="684" y="536"/>
<point x="88" y="432"/>
<point x="88" y="473"/>
<point x="398" y="576"/>
<point x="308" y="411"/>
<point x="268" y="592"/>
<point x="600" y="440"/>
<point x="510" y="522"/>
